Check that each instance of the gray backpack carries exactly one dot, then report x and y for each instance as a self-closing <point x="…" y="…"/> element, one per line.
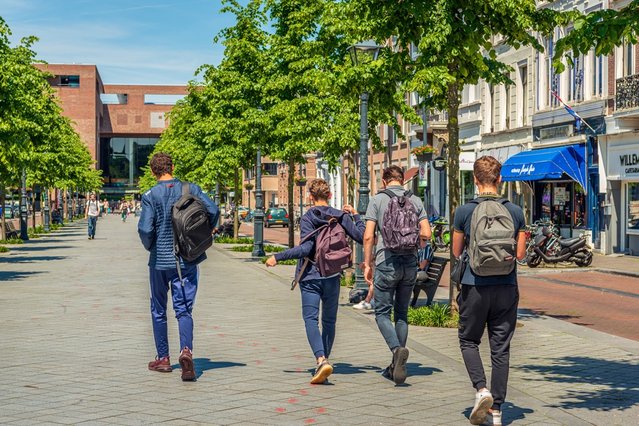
<point x="492" y="245"/>
<point x="400" y="223"/>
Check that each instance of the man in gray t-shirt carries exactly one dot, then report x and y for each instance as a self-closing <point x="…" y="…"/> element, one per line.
<point x="394" y="275"/>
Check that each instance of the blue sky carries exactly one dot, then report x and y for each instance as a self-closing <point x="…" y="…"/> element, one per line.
<point x="131" y="42"/>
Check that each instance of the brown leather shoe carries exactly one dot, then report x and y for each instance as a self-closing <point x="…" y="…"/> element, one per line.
<point x="186" y="362"/>
<point x="163" y="365"/>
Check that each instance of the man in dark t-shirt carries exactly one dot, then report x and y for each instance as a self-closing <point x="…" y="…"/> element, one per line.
<point x="487" y="301"/>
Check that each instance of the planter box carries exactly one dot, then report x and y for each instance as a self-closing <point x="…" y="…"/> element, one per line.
<point x="428" y="156"/>
<point x="300" y="183"/>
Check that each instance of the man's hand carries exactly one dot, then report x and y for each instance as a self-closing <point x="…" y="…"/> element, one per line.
<point x="368" y="274"/>
<point x="271" y="261"/>
<point x="349" y="209"/>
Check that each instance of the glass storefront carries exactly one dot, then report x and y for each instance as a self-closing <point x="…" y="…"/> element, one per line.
<point x="122" y="160"/>
<point x="467" y="185"/>
<point x="562" y="202"/>
<point x="632" y="195"/>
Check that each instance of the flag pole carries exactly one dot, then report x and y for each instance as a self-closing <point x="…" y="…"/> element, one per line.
<point x="573" y="113"/>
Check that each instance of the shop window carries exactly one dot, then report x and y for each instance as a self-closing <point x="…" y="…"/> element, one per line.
<point x="633" y="206"/>
<point x="468" y="186"/>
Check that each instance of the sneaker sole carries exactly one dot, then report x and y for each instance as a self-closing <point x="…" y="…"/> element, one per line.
<point x="399" y="361"/>
<point x="188" y="372"/>
<point x="480" y="414"/>
<point x="322" y="375"/>
<point x="162" y="370"/>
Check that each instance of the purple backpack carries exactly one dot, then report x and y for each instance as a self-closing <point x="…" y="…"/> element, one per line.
<point x="333" y="254"/>
<point x="400" y="224"/>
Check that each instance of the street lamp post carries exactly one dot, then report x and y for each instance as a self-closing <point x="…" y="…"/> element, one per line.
<point x="362" y="53"/>
<point x="23" y="207"/>
<point x="258" y="218"/>
<point x="47" y="211"/>
<point x="217" y="201"/>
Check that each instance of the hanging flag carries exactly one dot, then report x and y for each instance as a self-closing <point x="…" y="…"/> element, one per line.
<point x="578" y="119"/>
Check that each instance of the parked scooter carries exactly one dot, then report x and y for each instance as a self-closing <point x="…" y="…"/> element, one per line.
<point x="440" y="234"/>
<point x="226" y="228"/>
<point x="551" y="248"/>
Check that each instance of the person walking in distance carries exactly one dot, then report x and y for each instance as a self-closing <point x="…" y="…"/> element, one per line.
<point x="91" y="212"/>
<point x="398" y="219"/>
<point x="489" y="294"/>
<point x="316" y="289"/>
<point x="156" y="232"/>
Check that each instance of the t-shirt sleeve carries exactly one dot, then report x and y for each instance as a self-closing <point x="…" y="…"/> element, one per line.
<point x="520" y="220"/>
<point x="460" y="218"/>
<point x="372" y="210"/>
<point x="421" y="211"/>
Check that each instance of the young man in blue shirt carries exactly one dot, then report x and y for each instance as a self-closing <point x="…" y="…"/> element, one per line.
<point x="156" y="232"/>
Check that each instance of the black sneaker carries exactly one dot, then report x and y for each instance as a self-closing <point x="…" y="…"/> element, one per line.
<point x="400" y="356"/>
<point x="387" y="373"/>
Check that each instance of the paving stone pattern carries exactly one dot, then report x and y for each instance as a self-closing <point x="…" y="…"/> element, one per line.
<point x="76" y="338"/>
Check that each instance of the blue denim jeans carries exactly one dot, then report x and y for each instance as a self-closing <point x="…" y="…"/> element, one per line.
<point x="161" y="280"/>
<point x="313" y="292"/>
<point x="93" y="221"/>
<point x="394" y="280"/>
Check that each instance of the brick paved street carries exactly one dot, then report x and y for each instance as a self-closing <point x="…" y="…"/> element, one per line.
<point x="76" y="336"/>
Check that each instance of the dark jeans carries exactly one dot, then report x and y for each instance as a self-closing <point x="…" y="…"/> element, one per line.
<point x="313" y="292"/>
<point x="93" y="222"/>
<point x="161" y="280"/>
<point x="394" y="280"/>
<point x="495" y="306"/>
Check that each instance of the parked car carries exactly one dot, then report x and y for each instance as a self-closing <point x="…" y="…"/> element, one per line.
<point x="276" y="216"/>
<point x="242" y="212"/>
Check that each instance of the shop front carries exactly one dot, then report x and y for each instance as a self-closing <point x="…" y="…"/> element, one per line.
<point x="558" y="179"/>
<point x="622" y="197"/>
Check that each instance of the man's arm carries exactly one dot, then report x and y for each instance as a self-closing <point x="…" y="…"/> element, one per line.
<point x="458" y="242"/>
<point x="424" y="231"/>
<point x="369" y="249"/>
<point x="146" y="224"/>
<point x="521" y="245"/>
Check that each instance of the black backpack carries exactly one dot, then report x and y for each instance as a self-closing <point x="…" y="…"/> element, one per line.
<point x="192" y="227"/>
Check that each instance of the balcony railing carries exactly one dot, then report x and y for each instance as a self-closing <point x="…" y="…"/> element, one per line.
<point x="627" y="92"/>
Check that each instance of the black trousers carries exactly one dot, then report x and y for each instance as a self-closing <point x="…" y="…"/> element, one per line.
<point x="496" y="307"/>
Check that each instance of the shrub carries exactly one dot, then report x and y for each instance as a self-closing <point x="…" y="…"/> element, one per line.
<point x="3" y="249"/>
<point x="231" y="240"/>
<point x="437" y="315"/>
<point x="12" y="241"/>
<point x="281" y="262"/>
<point x="267" y="248"/>
<point x="347" y="280"/>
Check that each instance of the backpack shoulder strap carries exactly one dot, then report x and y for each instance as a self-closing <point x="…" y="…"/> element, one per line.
<point x="388" y="192"/>
<point x="186" y="188"/>
<point x="408" y="193"/>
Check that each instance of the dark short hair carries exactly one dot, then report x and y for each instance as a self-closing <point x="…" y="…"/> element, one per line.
<point x="161" y="164"/>
<point x="319" y="189"/>
<point x="487" y="170"/>
<point x="393" y="173"/>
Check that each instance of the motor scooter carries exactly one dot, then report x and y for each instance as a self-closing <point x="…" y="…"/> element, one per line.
<point x="551" y="248"/>
<point x="440" y="235"/>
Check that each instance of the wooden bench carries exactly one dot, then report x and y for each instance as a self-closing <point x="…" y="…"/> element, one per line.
<point x="434" y="273"/>
<point x="10" y="230"/>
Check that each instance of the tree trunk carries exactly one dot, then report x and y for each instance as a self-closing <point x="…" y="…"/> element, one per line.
<point x="291" y="202"/>
<point x="453" y="172"/>
<point x="65" y="210"/>
<point x="236" y="216"/>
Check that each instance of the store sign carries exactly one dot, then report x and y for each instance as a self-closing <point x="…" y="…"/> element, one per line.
<point x="623" y="164"/>
<point x="439" y="163"/>
<point x="523" y="169"/>
<point x="466" y="160"/>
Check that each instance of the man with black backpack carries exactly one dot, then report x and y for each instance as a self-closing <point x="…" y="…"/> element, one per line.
<point x="323" y="254"/>
<point x="488" y="236"/>
<point x="168" y="209"/>
<point x="399" y="220"/>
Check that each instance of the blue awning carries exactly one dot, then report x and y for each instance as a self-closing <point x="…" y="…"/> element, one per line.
<point x="547" y="163"/>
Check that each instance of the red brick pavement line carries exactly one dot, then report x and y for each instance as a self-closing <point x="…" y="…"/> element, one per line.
<point x="607" y="312"/>
<point x="596" y="279"/>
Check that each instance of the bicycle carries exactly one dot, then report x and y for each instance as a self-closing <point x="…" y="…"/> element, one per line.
<point x="296" y="223"/>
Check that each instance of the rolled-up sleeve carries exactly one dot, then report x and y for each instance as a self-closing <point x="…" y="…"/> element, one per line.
<point x="146" y="224"/>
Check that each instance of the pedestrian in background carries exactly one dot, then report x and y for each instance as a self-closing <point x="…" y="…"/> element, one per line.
<point x="487" y="300"/>
<point x="398" y="220"/>
<point x="317" y="291"/>
<point x="91" y="212"/>
<point x="156" y="232"/>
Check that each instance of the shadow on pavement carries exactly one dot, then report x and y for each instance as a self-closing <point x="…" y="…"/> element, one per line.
<point x="538" y="313"/>
<point x="205" y="364"/>
<point x="29" y="259"/>
<point x="616" y="382"/>
<point x="415" y="369"/>
<point x="346" y="368"/>
<point x="15" y="275"/>
<point x="38" y="248"/>
<point x="510" y="412"/>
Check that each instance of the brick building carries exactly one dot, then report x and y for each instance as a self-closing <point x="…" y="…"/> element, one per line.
<point x="119" y="123"/>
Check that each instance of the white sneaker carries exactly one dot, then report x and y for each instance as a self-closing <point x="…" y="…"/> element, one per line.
<point x="483" y="402"/>
<point x="363" y="305"/>
<point x="496" y="415"/>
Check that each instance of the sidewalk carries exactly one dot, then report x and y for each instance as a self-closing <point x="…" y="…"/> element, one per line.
<point x="77" y="336"/>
